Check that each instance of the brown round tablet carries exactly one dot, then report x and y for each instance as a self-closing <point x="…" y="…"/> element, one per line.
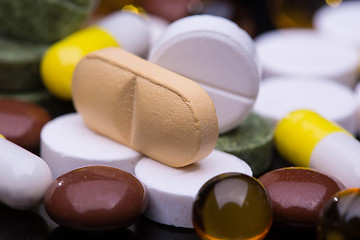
<point x="298" y="194"/>
<point x="95" y="198"/>
<point x="21" y="122"/>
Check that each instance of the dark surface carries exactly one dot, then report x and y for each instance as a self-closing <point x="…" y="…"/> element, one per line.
<point x="35" y="225"/>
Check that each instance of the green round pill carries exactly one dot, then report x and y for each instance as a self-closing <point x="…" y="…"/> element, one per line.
<point x="252" y="141"/>
<point x="43" y="20"/>
<point x="19" y="65"/>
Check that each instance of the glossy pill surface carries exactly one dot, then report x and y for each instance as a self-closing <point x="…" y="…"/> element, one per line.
<point x="232" y="206"/>
<point x="298" y="194"/>
<point x="21" y="122"/>
<point x="172" y="190"/>
<point x="24" y="177"/>
<point x="340" y="217"/>
<point x="95" y="198"/>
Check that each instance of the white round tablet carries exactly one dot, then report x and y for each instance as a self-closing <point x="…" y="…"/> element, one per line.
<point x="279" y="96"/>
<point x="340" y="23"/>
<point x="172" y="191"/>
<point x="67" y="144"/>
<point x="217" y="54"/>
<point x="299" y="52"/>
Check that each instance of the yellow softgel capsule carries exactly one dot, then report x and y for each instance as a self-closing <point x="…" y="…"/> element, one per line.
<point x="124" y="28"/>
<point x="307" y="139"/>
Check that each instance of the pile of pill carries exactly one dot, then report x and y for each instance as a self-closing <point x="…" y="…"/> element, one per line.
<point x="119" y="120"/>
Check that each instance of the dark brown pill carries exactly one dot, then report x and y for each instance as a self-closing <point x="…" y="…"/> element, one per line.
<point x="21" y="122"/>
<point x="95" y="198"/>
<point x="298" y="194"/>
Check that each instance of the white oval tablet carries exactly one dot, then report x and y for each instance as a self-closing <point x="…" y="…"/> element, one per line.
<point x="217" y="54"/>
<point x="279" y="96"/>
<point x="172" y="191"/>
<point x="340" y="23"/>
<point x="305" y="53"/>
<point x="67" y="144"/>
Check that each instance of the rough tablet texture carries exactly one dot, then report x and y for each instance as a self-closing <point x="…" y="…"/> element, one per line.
<point x="21" y="122"/>
<point x="95" y="198"/>
<point x="19" y="64"/>
<point x="217" y="54"/>
<point x="67" y="143"/>
<point x="251" y="141"/>
<point x="298" y="195"/>
<point x="146" y="107"/>
<point x="279" y="96"/>
<point x="43" y="20"/>
<point x="172" y="191"/>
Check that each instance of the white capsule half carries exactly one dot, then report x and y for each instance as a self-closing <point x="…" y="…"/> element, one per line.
<point x="24" y="177"/>
<point x="338" y="155"/>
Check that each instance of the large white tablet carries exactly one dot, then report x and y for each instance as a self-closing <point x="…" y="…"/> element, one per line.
<point x="305" y="53"/>
<point x="217" y="54"/>
<point x="279" y="96"/>
<point x="172" y="191"/>
<point x="67" y="143"/>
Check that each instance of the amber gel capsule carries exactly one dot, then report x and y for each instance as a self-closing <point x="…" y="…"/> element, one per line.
<point x="232" y="206"/>
<point x="307" y="139"/>
<point x="340" y="217"/>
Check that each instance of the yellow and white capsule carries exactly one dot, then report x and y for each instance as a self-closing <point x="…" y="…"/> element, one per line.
<point x="125" y="29"/>
<point x="306" y="139"/>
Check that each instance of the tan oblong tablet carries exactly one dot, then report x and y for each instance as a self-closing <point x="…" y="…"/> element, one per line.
<point x="162" y="114"/>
